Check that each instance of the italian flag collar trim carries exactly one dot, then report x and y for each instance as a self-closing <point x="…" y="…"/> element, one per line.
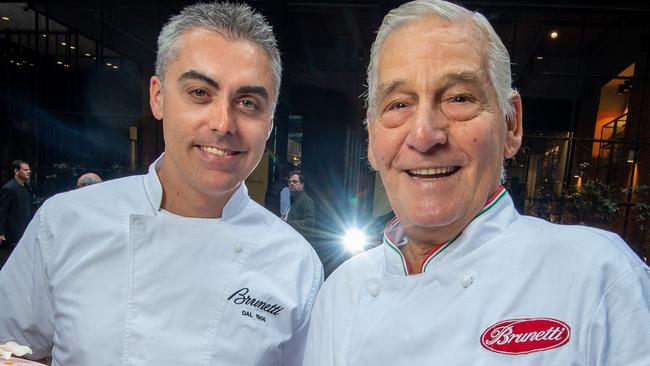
<point x="393" y="226"/>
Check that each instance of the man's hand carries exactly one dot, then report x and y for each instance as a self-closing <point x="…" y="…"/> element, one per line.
<point x="2" y="238"/>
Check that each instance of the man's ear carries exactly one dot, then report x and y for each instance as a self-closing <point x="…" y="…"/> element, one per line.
<point x="371" y="156"/>
<point x="515" y="129"/>
<point x="156" y="97"/>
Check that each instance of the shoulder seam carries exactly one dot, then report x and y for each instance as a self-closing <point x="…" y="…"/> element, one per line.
<point x="44" y="237"/>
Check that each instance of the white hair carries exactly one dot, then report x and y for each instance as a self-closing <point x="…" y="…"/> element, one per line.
<point x="498" y="60"/>
<point x="235" y="21"/>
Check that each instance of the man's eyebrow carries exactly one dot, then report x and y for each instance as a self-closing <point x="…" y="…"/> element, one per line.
<point x="387" y="88"/>
<point x="463" y="76"/>
<point x="196" y="75"/>
<point x="254" y="89"/>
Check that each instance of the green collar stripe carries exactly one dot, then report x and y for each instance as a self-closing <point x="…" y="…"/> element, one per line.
<point x="388" y="227"/>
<point x="491" y="203"/>
<point x="500" y="194"/>
<point x="403" y="260"/>
<point x="440" y="250"/>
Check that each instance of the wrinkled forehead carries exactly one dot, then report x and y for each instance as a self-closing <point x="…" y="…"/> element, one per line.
<point x="432" y="32"/>
<point x="432" y="48"/>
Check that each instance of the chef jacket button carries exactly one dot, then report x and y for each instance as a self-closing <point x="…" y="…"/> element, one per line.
<point x="374" y="290"/>
<point x="237" y="248"/>
<point x="466" y="281"/>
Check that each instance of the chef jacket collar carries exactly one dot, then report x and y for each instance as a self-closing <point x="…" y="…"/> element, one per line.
<point x="487" y="223"/>
<point x="154" y="190"/>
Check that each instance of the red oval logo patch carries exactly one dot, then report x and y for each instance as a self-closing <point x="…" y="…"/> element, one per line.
<point x="526" y="335"/>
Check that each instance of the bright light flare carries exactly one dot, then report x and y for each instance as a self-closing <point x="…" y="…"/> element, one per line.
<point x="354" y="240"/>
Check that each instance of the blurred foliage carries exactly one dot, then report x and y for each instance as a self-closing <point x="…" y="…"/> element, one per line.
<point x="541" y="205"/>
<point x="593" y="203"/>
<point x="642" y="207"/>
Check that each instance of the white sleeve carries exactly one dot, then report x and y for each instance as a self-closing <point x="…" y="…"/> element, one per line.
<point x="316" y="348"/>
<point x="294" y="350"/>
<point x="327" y="326"/>
<point x="619" y="333"/>
<point x="26" y="314"/>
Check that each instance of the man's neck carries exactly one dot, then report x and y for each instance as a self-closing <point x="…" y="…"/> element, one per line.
<point x="415" y="254"/>
<point x="20" y="181"/>
<point x="180" y="199"/>
<point x="178" y="204"/>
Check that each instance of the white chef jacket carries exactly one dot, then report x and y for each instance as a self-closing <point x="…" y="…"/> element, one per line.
<point x="584" y="285"/>
<point x="102" y="277"/>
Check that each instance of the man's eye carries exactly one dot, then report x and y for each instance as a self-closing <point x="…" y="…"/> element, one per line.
<point x="247" y="103"/>
<point x="461" y="107"/>
<point x="200" y="93"/>
<point x="396" y="105"/>
<point x="460" y="99"/>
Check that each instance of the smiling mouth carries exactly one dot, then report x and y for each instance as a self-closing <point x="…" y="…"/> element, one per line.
<point x="433" y="173"/>
<point x="218" y="152"/>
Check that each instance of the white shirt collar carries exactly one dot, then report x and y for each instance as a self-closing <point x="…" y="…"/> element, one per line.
<point x="497" y="212"/>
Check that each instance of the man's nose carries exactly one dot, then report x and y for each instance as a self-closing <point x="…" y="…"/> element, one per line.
<point x="428" y="129"/>
<point x="222" y="119"/>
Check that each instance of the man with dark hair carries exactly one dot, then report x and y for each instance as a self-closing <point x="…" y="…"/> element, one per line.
<point x="301" y="212"/>
<point x="178" y="266"/>
<point x="15" y="205"/>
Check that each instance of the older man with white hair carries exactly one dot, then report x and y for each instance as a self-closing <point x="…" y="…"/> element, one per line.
<point x="461" y="277"/>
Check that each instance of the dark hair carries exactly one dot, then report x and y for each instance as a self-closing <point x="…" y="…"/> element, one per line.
<point x="301" y="177"/>
<point x="16" y="164"/>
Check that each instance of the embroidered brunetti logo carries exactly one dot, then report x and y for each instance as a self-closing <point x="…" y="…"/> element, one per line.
<point x="242" y="297"/>
<point x="525" y="335"/>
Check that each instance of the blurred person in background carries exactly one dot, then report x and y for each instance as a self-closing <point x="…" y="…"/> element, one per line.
<point x="16" y="205"/>
<point x="88" y="179"/>
<point x="302" y="212"/>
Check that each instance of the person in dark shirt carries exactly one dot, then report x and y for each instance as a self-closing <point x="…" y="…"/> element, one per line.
<point x="15" y="205"/>
<point x="302" y="212"/>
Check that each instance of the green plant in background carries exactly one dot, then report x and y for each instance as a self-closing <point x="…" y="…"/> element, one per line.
<point x="642" y="207"/>
<point x="117" y="171"/>
<point x="593" y="203"/>
<point x="541" y="203"/>
<point x="641" y="216"/>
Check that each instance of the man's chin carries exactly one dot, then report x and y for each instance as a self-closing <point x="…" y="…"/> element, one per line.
<point x="430" y="220"/>
<point x="221" y="187"/>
